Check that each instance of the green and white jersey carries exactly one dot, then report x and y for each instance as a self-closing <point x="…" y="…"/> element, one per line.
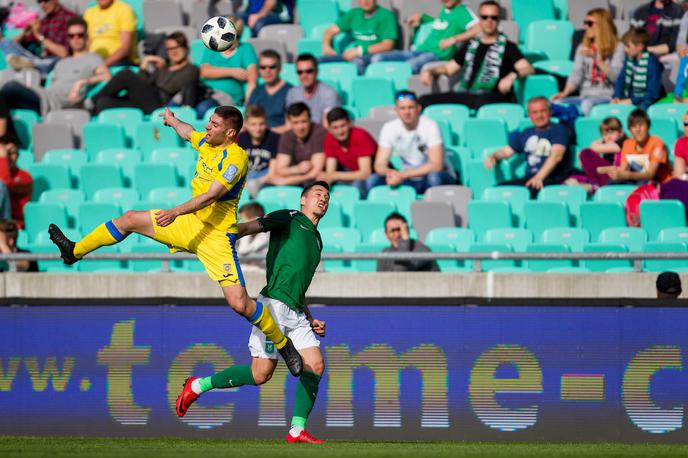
<point x="293" y="256"/>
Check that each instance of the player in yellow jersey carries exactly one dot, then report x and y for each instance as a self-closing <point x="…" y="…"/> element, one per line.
<point x="205" y="225"/>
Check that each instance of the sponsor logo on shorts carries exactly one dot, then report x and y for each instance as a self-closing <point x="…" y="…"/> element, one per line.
<point x="269" y="347"/>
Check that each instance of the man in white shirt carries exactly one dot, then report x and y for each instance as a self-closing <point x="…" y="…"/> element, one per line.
<point x="410" y="149"/>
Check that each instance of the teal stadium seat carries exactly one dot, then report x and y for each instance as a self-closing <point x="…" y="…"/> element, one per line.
<point x="309" y="46"/>
<point x="367" y="265"/>
<point x="458" y="237"/>
<point x="400" y="196"/>
<point x="100" y="176"/>
<point x="149" y="176"/>
<point x="126" y="198"/>
<point x="456" y="114"/>
<point x="72" y="158"/>
<point x="171" y="195"/>
<point x="154" y="135"/>
<point x="587" y="131"/>
<point x="597" y="216"/>
<point x="446" y="265"/>
<point x="632" y="237"/>
<point x="70" y="199"/>
<point x="573" y="196"/>
<point x="319" y="12"/>
<point x="490" y="264"/>
<point x="556" y="67"/>
<point x="369" y="216"/>
<point x="516" y="196"/>
<point x="484" y="215"/>
<point x="511" y="113"/>
<point x="667" y="130"/>
<point x="183" y="159"/>
<point x="93" y="214"/>
<point x="371" y="92"/>
<point x="196" y="50"/>
<point x="674" y="111"/>
<point x="44" y="245"/>
<point x="185" y="113"/>
<point x="535" y="85"/>
<point x="612" y="109"/>
<point x="573" y="237"/>
<point x="128" y="118"/>
<point x="614" y="193"/>
<point x="347" y="196"/>
<point x="287" y="196"/>
<point x="49" y="176"/>
<point x="656" y="215"/>
<point x="545" y="265"/>
<point x="334" y="216"/>
<point x="485" y="133"/>
<point x="146" y="265"/>
<point x="396" y="72"/>
<point x="344" y="73"/>
<point x="540" y="216"/>
<point x="24" y="121"/>
<point x="109" y="266"/>
<point x="518" y="238"/>
<point x="525" y="12"/>
<point x="99" y="136"/>
<point x="553" y="38"/>
<point x="126" y="159"/>
<point x="38" y="216"/>
<point x="661" y="265"/>
<point x="347" y="238"/>
<point x="602" y="265"/>
<point x="674" y="234"/>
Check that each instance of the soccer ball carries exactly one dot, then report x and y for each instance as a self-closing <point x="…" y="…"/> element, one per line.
<point x="218" y="33"/>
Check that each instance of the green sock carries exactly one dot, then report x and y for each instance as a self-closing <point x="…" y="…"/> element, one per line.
<point x="230" y="378"/>
<point x="306" y="391"/>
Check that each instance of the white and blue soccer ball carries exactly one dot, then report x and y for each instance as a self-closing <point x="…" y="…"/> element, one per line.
<point x="218" y="33"/>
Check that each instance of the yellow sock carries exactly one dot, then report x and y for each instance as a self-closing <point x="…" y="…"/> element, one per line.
<point x="262" y="319"/>
<point x="103" y="235"/>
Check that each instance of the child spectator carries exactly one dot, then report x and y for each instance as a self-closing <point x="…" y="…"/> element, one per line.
<point x="601" y="153"/>
<point x="252" y="244"/>
<point x="640" y="80"/>
<point x="16" y="184"/>
<point x="8" y="245"/>
<point x="260" y="143"/>
<point x="681" y="153"/>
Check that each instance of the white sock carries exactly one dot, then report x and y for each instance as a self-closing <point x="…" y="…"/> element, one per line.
<point x="295" y="431"/>
<point x="196" y="386"/>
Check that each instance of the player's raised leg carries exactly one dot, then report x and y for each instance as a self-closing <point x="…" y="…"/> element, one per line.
<point x="108" y="233"/>
<point x="306" y="392"/>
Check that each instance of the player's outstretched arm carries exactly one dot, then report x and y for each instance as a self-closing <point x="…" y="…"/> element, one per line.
<point x="249" y="228"/>
<point x="182" y="129"/>
<point x="166" y="217"/>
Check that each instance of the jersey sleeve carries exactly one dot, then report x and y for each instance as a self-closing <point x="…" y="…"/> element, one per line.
<point x="277" y="220"/>
<point x="231" y="173"/>
<point x="195" y="139"/>
<point x="344" y="22"/>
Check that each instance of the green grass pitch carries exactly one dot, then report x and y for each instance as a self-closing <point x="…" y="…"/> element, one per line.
<point x="133" y="448"/>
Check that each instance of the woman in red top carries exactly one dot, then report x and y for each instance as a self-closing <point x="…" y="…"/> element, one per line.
<point x="681" y="153"/>
<point x="17" y="184"/>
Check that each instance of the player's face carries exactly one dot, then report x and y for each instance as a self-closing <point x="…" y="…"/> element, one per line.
<point x="539" y="113"/>
<point x="256" y="127"/>
<point x="269" y="69"/>
<point x="640" y="131"/>
<point x="217" y="132"/>
<point x="340" y="129"/>
<point x="316" y="201"/>
<point x="300" y="125"/>
<point x="408" y="111"/>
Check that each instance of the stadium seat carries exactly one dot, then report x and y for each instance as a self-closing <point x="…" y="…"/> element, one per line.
<point x="596" y="216"/>
<point x="573" y="196"/>
<point x="541" y="215"/>
<point x="125" y="159"/>
<point x="427" y="215"/>
<point x="535" y="85"/>
<point x="72" y="158"/>
<point x="344" y="73"/>
<point x="457" y="158"/>
<point x="288" y="196"/>
<point x="674" y="111"/>
<point x="75" y="118"/>
<point x="70" y="199"/>
<point x="396" y="72"/>
<point x="368" y="216"/>
<point x="93" y="214"/>
<point x="126" y="198"/>
<point x="553" y="38"/>
<point x="458" y="237"/>
<point x="511" y="113"/>
<point x="46" y="246"/>
<point x="370" y="92"/>
<point x="446" y="265"/>
<point x="23" y="121"/>
<point x="196" y="50"/>
<point x="478" y="177"/>
<point x="161" y="13"/>
<point x="602" y="265"/>
<point x="49" y="176"/>
<point x="318" y="12"/>
<point x="154" y="135"/>
<point x="488" y="264"/>
<point x="288" y="74"/>
<point x="149" y="176"/>
<point x="185" y="113"/>
<point x="271" y="205"/>
<point x="612" y="109"/>
<point x="485" y="133"/>
<point x="546" y="265"/>
<point x="100" y="136"/>
<point x="334" y="216"/>
<point x="367" y="265"/>
<point x="128" y="118"/>
<point x="632" y="237"/>
<point x="516" y="196"/>
<point x="573" y="237"/>
<point x="656" y="215"/>
<point x="526" y="11"/>
<point x="484" y="215"/>
<point x="674" y="234"/>
<point x="182" y="158"/>
<point x="587" y="131"/>
<point x="347" y="238"/>
<point x="456" y="195"/>
<point x="557" y="68"/>
<point x="347" y="196"/>
<point x="400" y="196"/>
<point x="38" y="216"/>
<point x="661" y="265"/>
<point x="614" y="193"/>
<point x="456" y="114"/>
<point x="100" y="176"/>
<point x="667" y="130"/>
<point x="110" y="266"/>
<point x="308" y="46"/>
<point x="518" y="238"/>
<point x="383" y="113"/>
<point x="146" y="265"/>
<point x="172" y="195"/>
<point x="50" y="135"/>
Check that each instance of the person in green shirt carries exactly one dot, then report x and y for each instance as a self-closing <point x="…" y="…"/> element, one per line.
<point x="455" y="24"/>
<point x="373" y="30"/>
<point x="292" y="258"/>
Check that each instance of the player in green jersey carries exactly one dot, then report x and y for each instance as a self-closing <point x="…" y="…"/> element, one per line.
<point x="292" y="258"/>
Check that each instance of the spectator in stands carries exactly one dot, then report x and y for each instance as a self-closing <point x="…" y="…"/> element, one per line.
<point x="156" y="84"/>
<point x="602" y="153"/>
<point x="597" y="64"/>
<point x="681" y="153"/>
<point x="272" y="95"/>
<point x="373" y="29"/>
<point x="455" y="24"/>
<point x="259" y="13"/>
<point x="42" y="42"/>
<point x="682" y="39"/>
<point x="9" y="231"/>
<point x="349" y="152"/>
<point x="17" y="184"/>
<point x="397" y="232"/>
<point x="300" y="157"/>
<point x="319" y="97"/>
<point x="546" y="146"/>
<point x="414" y="140"/>
<point x="489" y="62"/>
<point x="668" y="285"/>
<point x="255" y="244"/>
<point x="226" y="72"/>
<point x="662" y="19"/>
<point x="644" y="157"/>
<point x="260" y="143"/>
<point x="71" y="77"/>
<point x="6" y="123"/>
<point x="640" y="80"/>
<point x="112" y="32"/>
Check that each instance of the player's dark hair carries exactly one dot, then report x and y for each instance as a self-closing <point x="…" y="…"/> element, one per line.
<point x="255" y="111"/>
<point x="254" y="209"/>
<point x="272" y="54"/>
<point x="637" y="116"/>
<point x="77" y="20"/>
<point x="307" y="57"/>
<point x="337" y="114"/>
<point x="297" y="109"/>
<point x="9" y="138"/>
<point x="179" y="38"/>
<point x="324" y="184"/>
<point x="395" y="215"/>
<point x="232" y="116"/>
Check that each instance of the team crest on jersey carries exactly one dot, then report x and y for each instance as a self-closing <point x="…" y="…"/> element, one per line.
<point x="227" y="267"/>
<point x="230" y="173"/>
<point x="269" y="347"/>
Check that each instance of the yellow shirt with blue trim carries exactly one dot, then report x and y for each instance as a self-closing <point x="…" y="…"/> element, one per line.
<point x="229" y="166"/>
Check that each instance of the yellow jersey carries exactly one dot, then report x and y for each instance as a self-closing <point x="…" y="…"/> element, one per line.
<point x="229" y="166"/>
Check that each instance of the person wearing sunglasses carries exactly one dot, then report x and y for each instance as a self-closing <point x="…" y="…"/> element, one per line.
<point x="112" y="32"/>
<point x="487" y="66"/>
<point x="320" y="97"/>
<point x="71" y="77"/>
<point x="42" y="42"/>
<point x="662" y="18"/>
<point x="272" y="94"/>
